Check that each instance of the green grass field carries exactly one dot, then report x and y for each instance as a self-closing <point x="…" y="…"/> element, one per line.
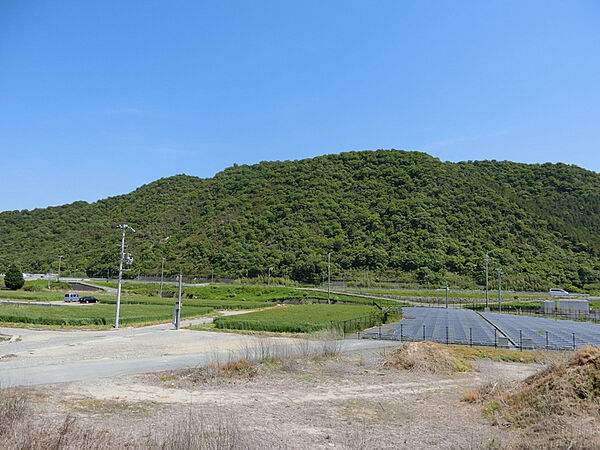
<point x="297" y="318"/>
<point x="506" y="306"/>
<point x="94" y="314"/>
<point x="233" y="294"/>
<point x="442" y="294"/>
<point x="193" y="302"/>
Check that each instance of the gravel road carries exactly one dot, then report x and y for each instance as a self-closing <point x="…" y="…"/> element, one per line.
<point x="34" y="357"/>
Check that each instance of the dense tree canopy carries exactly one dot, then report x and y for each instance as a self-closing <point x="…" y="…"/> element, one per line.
<point x="398" y="215"/>
<point x="13" y="278"/>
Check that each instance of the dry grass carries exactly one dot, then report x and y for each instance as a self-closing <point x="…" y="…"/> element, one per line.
<point x="427" y="357"/>
<point x="203" y="430"/>
<point x="503" y="355"/>
<point x="487" y="390"/>
<point x="14" y="406"/>
<point x="556" y="408"/>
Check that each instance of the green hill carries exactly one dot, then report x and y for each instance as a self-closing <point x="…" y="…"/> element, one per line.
<point x="399" y="215"/>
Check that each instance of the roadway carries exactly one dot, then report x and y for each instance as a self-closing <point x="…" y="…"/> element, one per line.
<point x="35" y="357"/>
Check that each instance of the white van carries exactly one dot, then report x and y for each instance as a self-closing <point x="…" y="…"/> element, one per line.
<point x="71" y="297"/>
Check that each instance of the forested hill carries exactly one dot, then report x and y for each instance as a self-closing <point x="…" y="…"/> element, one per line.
<point x="399" y="215"/>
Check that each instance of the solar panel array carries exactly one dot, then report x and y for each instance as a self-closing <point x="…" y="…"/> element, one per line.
<point x="546" y="333"/>
<point x="454" y="326"/>
<point x="462" y="326"/>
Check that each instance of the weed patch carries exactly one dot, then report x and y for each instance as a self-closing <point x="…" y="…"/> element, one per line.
<point x="427" y="357"/>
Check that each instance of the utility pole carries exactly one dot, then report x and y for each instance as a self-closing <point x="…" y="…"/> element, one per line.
<point x="487" y="263"/>
<point x="499" y="289"/>
<point x="329" y="277"/>
<point x="162" y="275"/>
<point x="129" y="260"/>
<point x="178" y="305"/>
<point x="59" y="261"/>
<point x="447" y="290"/>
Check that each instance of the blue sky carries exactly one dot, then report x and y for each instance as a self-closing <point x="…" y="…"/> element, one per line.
<point x="98" y="98"/>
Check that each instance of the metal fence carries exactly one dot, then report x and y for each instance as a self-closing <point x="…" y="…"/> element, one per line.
<point x="465" y="327"/>
<point x="499" y="341"/>
<point x="356" y="325"/>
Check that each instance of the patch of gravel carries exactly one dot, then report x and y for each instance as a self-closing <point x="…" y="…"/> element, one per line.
<point x="346" y="401"/>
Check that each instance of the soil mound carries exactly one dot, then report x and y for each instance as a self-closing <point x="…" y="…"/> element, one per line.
<point x="427" y="357"/>
<point x="561" y="403"/>
<point x="563" y="389"/>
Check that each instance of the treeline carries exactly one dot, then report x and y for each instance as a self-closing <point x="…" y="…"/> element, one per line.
<point x="392" y="215"/>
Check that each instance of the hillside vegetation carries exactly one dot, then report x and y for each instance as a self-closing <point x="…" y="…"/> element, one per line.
<point x="400" y="215"/>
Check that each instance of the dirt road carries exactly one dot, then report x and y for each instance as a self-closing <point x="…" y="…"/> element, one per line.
<point x="33" y="357"/>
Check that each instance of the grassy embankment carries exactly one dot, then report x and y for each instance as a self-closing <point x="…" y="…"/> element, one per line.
<point x="236" y="297"/>
<point x="98" y="314"/>
<point x="301" y="318"/>
<point x="493" y="295"/>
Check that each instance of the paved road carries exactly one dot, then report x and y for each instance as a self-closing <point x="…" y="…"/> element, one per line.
<point x="33" y="357"/>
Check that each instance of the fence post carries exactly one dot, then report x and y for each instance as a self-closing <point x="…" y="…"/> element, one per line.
<point x="521" y="340"/>
<point x="471" y="337"/>
<point x="401" y="325"/>
<point x="423" y="332"/>
<point x="446" y="335"/>
<point x="495" y="338"/>
<point x="379" y="331"/>
<point x="546" y="340"/>
<point x="573" y="341"/>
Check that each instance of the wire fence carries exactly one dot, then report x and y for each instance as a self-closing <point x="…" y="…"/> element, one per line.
<point x="356" y="325"/>
<point x="546" y="340"/>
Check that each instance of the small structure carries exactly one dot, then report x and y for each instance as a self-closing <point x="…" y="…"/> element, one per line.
<point x="574" y="307"/>
<point x="548" y="306"/>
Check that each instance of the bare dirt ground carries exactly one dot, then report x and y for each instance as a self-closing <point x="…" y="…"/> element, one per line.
<point x="343" y="401"/>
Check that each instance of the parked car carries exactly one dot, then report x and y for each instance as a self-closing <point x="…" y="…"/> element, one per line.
<point x="71" y="297"/>
<point x="556" y="291"/>
<point x="88" y="300"/>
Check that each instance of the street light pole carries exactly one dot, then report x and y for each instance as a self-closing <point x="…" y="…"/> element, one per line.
<point x="487" y="262"/>
<point x="178" y="307"/>
<point x="59" y="261"/>
<point x="447" y="290"/>
<point x="329" y="277"/>
<point x="162" y="275"/>
<point x="500" y="290"/>
<point x="118" y="306"/>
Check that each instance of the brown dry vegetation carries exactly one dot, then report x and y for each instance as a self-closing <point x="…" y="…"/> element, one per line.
<point x="556" y="408"/>
<point x="278" y="398"/>
<point x="427" y="357"/>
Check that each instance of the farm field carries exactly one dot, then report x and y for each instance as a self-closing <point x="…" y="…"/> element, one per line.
<point x="241" y="293"/>
<point x="140" y="303"/>
<point x="94" y="314"/>
<point x="493" y="294"/>
<point x="298" y="318"/>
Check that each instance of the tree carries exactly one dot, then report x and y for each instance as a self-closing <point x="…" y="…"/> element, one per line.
<point x="13" y="279"/>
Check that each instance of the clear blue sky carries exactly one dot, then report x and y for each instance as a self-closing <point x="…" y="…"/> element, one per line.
<point x="98" y="98"/>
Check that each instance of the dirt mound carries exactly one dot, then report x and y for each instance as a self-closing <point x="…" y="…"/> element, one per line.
<point x="427" y="357"/>
<point x="562" y="402"/>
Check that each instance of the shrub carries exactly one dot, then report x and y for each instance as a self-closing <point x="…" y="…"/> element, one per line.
<point x="13" y="279"/>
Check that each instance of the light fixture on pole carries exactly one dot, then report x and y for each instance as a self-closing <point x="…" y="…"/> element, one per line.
<point x="162" y="275"/>
<point x="447" y="291"/>
<point x="487" y="263"/>
<point x="129" y="260"/>
<point x="60" y="257"/>
<point x="500" y="289"/>
<point x="329" y="277"/>
<point x="178" y="305"/>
